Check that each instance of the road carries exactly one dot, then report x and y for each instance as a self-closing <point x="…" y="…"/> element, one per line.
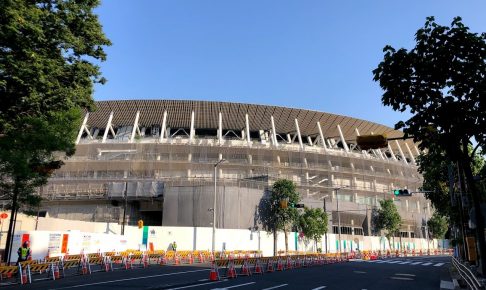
<point x="396" y="274"/>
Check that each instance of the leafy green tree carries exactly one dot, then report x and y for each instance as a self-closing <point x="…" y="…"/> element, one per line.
<point x="48" y="55"/>
<point x="441" y="82"/>
<point x="313" y="223"/>
<point x="276" y="210"/>
<point x="388" y="219"/>
<point x="437" y="226"/>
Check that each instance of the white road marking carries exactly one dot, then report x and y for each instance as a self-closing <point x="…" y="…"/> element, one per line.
<point x="427" y="264"/>
<point x="393" y="262"/>
<point x="446" y="285"/>
<point x="401" y="278"/>
<point x="403" y="263"/>
<point x="130" y="279"/>
<point x="416" y="263"/>
<point x="229" y="287"/>
<point x="402" y="274"/>
<point x="359" y="272"/>
<point x="439" y="264"/>
<point x="319" y="288"/>
<point x="197" y="285"/>
<point x="275" y="287"/>
<point x="381" y="262"/>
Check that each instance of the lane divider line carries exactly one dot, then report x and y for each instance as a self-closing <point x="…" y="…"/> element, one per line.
<point x="275" y="287"/>
<point x="401" y="278"/>
<point x="319" y="288"/>
<point x="229" y="287"/>
<point x="128" y="279"/>
<point x="400" y="274"/>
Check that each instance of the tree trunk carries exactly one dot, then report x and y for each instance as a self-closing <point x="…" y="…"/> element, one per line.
<point x="286" y="241"/>
<point x="274" y="242"/>
<point x="466" y="166"/>
<point x="11" y="225"/>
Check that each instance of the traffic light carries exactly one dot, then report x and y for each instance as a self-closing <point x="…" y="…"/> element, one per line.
<point x="402" y="192"/>
<point x="366" y="142"/>
<point x="140" y="224"/>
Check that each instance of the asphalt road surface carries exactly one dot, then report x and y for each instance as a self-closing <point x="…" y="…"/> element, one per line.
<point x="396" y="274"/>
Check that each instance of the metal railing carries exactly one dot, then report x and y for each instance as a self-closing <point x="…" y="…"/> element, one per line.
<point x="467" y="275"/>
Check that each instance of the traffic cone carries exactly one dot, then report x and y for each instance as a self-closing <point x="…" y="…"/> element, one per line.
<point x="23" y="278"/>
<point x="213" y="275"/>
<point x="289" y="264"/>
<point x="84" y="268"/>
<point x="201" y="258"/>
<point x="56" y="272"/>
<point x="245" y="270"/>
<point x="176" y="260"/>
<point x="270" y="266"/>
<point x="231" y="271"/>
<point x="258" y="268"/>
<point x="279" y="265"/>
<point x="47" y="255"/>
<point x="191" y="259"/>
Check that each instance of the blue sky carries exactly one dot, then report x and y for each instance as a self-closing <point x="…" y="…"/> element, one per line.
<point x="304" y="54"/>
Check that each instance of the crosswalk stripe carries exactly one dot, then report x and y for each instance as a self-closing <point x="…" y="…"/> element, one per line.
<point x="381" y="262"/>
<point x="393" y="262"/>
<point x="427" y="264"/>
<point x="439" y="264"/>
<point x="416" y="263"/>
<point x="403" y="263"/>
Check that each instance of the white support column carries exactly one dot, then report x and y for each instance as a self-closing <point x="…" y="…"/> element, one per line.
<point x="274" y="133"/>
<point x="135" y="127"/>
<point x="410" y="153"/>
<point x="83" y="125"/>
<point x="163" y="129"/>
<point x="191" y="131"/>
<point x="247" y="123"/>
<point x="345" y="145"/>
<point x="323" y="140"/>
<point x="220" y="130"/>
<point x="309" y="140"/>
<point x="298" y="134"/>
<point x="391" y="152"/>
<point x="108" y="128"/>
<point x="401" y="152"/>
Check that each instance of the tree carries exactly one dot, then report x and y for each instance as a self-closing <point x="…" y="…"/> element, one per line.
<point x="313" y="223"/>
<point x="441" y="82"/>
<point x="388" y="219"/>
<point x="48" y="51"/>
<point x="274" y="217"/>
<point x="437" y="226"/>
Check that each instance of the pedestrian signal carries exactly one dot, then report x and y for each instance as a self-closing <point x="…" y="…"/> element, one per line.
<point x="140" y="224"/>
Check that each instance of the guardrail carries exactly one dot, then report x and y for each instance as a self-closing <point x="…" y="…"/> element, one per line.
<point x="467" y="275"/>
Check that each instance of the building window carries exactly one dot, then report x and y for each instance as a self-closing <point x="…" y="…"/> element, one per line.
<point x="358" y="231"/>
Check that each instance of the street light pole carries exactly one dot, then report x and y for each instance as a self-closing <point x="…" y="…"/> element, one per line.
<point x="325" y="212"/>
<point x="214" y="203"/>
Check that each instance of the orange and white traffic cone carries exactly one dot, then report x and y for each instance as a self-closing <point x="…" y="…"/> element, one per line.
<point x="56" y="272"/>
<point x="213" y="275"/>
<point x="245" y="270"/>
<point x="279" y="265"/>
<point x="258" y="268"/>
<point x="270" y="266"/>
<point x="23" y="277"/>
<point x="176" y="260"/>
<point x="231" y="271"/>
